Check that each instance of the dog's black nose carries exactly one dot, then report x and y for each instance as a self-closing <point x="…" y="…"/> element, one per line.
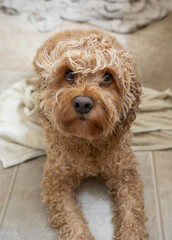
<point x="83" y="104"/>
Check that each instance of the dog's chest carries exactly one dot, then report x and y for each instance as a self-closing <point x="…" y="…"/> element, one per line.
<point x="91" y="163"/>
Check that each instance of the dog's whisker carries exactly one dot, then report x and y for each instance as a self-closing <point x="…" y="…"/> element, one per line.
<point x="57" y="95"/>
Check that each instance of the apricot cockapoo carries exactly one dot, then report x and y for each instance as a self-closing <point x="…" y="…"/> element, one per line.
<point x="88" y="95"/>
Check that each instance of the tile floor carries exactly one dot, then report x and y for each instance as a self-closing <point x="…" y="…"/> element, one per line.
<point x="22" y="215"/>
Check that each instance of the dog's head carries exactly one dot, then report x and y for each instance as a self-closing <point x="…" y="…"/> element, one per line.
<point x="88" y="87"/>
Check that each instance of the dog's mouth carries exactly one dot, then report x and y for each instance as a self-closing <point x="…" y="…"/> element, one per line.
<point x="82" y="118"/>
<point x="82" y="126"/>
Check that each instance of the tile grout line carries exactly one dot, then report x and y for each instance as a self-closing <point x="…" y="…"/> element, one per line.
<point x="8" y="195"/>
<point x="157" y="197"/>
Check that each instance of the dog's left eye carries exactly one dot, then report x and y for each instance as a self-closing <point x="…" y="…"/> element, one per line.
<point x="69" y="76"/>
<point x="107" y="79"/>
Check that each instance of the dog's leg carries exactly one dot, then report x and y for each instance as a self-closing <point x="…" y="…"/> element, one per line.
<point x="59" y="183"/>
<point x="126" y="190"/>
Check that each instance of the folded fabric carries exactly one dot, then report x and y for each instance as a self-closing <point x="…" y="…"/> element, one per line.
<point x="153" y="126"/>
<point x="120" y="16"/>
<point x="21" y="136"/>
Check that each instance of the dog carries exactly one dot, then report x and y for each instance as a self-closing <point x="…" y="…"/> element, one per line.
<point x="88" y="96"/>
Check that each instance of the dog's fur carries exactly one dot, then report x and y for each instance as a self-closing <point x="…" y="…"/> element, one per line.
<point x="94" y="144"/>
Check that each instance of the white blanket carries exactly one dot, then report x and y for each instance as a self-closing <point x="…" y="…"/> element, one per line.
<point x="115" y="15"/>
<point x="21" y="136"/>
<point x="152" y="128"/>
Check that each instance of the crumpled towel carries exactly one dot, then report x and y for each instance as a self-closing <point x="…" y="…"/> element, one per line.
<point x="153" y="126"/>
<point x="21" y="136"/>
<point x="122" y="16"/>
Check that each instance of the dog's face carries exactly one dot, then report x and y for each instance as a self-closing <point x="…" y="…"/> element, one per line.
<point x="88" y="87"/>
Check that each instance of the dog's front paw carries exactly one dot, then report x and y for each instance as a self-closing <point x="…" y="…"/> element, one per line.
<point x="81" y="236"/>
<point x="132" y="234"/>
<point x="85" y="236"/>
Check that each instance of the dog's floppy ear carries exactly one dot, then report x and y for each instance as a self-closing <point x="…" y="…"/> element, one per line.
<point x="135" y="91"/>
<point x="132" y="96"/>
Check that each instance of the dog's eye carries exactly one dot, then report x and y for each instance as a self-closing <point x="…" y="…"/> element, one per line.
<point x="107" y="79"/>
<point x="69" y="76"/>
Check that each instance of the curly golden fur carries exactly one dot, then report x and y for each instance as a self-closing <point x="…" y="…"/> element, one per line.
<point x="92" y="143"/>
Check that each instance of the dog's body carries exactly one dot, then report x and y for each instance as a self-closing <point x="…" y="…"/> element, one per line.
<point x="88" y="95"/>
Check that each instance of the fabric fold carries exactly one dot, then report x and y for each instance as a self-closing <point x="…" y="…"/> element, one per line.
<point x="153" y="126"/>
<point x="21" y="136"/>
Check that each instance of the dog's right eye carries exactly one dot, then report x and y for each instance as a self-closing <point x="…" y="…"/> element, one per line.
<point x="69" y="76"/>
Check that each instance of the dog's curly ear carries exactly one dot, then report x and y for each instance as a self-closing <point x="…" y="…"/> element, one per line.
<point x="132" y="95"/>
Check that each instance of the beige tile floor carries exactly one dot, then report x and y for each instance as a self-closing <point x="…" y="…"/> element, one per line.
<point x="22" y="215"/>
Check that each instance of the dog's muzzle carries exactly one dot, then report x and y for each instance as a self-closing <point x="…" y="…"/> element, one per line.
<point x="83" y="104"/>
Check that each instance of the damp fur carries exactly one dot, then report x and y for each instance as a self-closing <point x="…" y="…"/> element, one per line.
<point x="99" y="146"/>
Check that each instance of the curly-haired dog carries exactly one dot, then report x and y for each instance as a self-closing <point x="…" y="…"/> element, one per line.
<point x="88" y="95"/>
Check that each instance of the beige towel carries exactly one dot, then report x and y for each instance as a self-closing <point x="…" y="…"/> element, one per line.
<point x="21" y="136"/>
<point x="153" y="126"/>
